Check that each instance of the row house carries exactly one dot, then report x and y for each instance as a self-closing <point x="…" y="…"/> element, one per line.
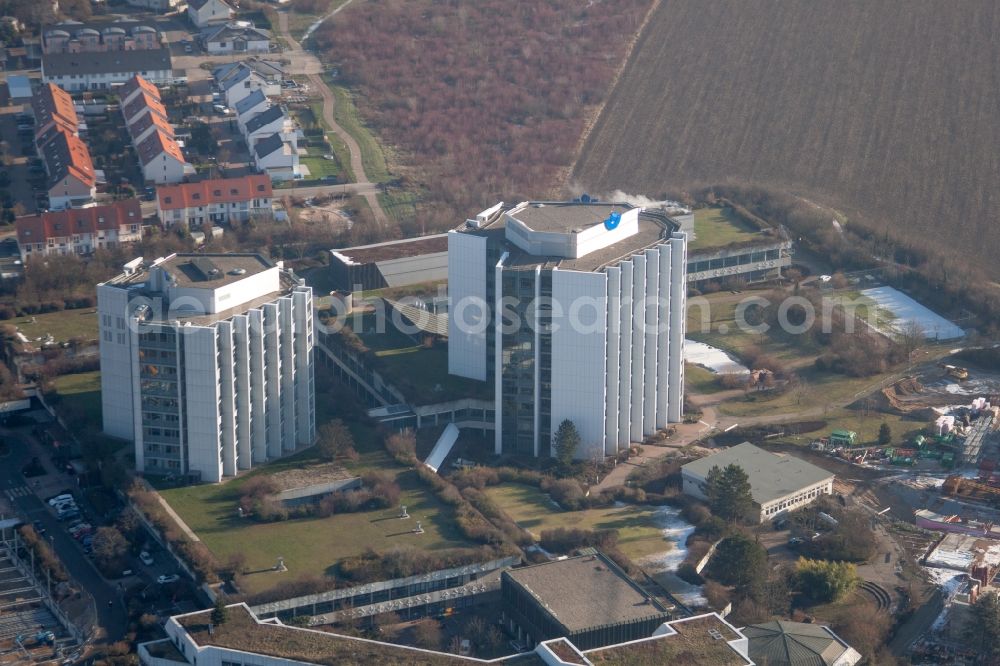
<point x="151" y="133"/>
<point x="278" y="157"/>
<point x="53" y="108"/>
<point x="79" y="230"/>
<point x="274" y="120"/>
<point x="237" y="80"/>
<point x="72" y="180"/>
<point x="72" y="37"/>
<point x="217" y="201"/>
<point x="104" y="70"/>
<point x="270" y="136"/>
<point x="161" y="159"/>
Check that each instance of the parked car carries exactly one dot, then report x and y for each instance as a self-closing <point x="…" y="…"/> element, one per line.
<point x="59" y="499"/>
<point x="166" y="579"/>
<point x="80" y="529"/>
<point x="146" y="558"/>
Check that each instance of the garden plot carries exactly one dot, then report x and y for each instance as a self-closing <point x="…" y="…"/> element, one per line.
<point x="905" y="310"/>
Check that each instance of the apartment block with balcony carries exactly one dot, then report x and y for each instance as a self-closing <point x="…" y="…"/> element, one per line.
<point x="207" y="363"/>
<point x="574" y="310"/>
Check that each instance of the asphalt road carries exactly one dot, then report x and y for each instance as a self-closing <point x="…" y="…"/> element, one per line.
<point x="20" y="492"/>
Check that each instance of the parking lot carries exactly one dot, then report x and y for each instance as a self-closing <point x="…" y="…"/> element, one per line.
<point x="135" y="584"/>
<point x="26" y="174"/>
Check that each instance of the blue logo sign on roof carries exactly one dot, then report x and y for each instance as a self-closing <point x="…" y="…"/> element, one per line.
<point x="613" y="220"/>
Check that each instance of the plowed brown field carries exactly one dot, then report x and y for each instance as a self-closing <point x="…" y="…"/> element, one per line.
<point x="889" y="110"/>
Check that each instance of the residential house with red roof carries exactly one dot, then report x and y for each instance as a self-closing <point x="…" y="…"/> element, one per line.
<point x="147" y="123"/>
<point x="217" y="201"/>
<point x="79" y="230"/>
<point x="72" y="180"/>
<point x="53" y="107"/>
<point x="133" y="87"/>
<point x="161" y="159"/>
<point x="152" y="135"/>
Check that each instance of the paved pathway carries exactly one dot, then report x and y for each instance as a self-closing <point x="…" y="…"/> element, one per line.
<point x="311" y="65"/>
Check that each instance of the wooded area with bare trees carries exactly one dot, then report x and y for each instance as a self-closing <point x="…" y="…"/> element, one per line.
<point x="488" y="99"/>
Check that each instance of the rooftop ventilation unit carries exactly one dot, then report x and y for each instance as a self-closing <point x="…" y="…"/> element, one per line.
<point x="206" y="269"/>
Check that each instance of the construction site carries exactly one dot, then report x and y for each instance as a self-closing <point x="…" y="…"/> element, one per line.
<point x="941" y="486"/>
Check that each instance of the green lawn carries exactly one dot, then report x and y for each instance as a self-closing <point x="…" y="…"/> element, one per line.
<point x="319" y="167"/>
<point x="712" y="319"/>
<point x="699" y="380"/>
<point x="80" y="400"/>
<point x="638" y="534"/>
<point x="343" y="155"/>
<point x="866" y="425"/>
<point x="717" y="227"/>
<point x="372" y="152"/>
<point x="817" y="388"/>
<point x="63" y="325"/>
<point x="311" y="546"/>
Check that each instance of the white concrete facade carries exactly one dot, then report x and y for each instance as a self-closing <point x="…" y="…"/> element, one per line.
<point x="105" y="80"/>
<point x="215" y="383"/>
<point x="467" y="291"/>
<point x="694" y="485"/>
<point x="607" y="351"/>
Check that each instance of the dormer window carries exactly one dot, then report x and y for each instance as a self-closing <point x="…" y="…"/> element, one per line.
<point x="260" y="188"/>
<point x="196" y="196"/>
<point x="217" y="193"/>
<point x="166" y="200"/>
<point x="234" y="191"/>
